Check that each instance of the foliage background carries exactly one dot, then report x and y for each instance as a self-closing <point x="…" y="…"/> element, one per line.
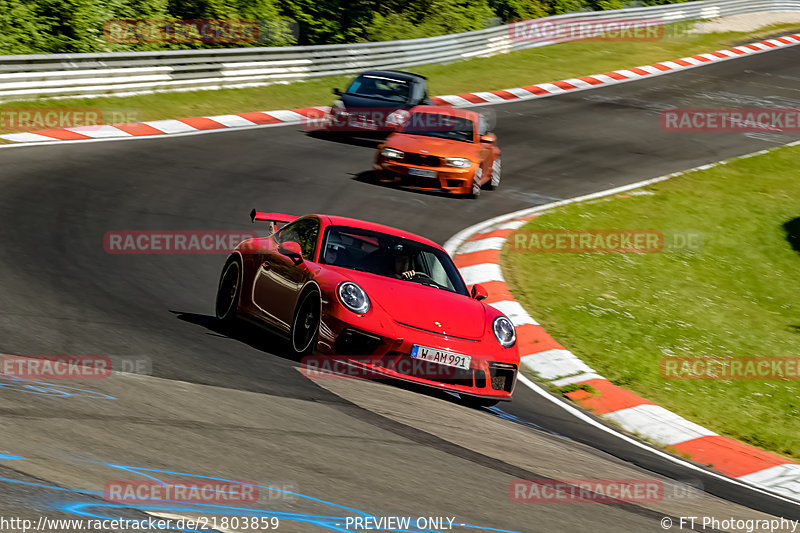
<point x="74" y="26"/>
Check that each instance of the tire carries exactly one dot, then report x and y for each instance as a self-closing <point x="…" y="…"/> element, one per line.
<point x="228" y="290"/>
<point x="476" y="183"/>
<point x="494" y="183"/>
<point x="477" y="403"/>
<point x="305" y="325"/>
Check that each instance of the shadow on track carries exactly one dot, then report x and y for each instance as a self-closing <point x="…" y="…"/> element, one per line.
<point x="265" y="341"/>
<point x="345" y="139"/>
<point x="259" y="338"/>
<point x="369" y="177"/>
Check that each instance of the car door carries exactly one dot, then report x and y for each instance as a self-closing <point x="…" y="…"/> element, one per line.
<point x="280" y="278"/>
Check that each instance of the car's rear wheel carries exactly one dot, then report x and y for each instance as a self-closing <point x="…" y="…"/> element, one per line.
<point x="228" y="291"/>
<point x="476" y="183"/>
<point x="494" y="182"/>
<point x="477" y="403"/>
<point x="305" y="325"/>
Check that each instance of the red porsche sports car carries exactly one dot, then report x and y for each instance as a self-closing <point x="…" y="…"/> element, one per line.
<point x="387" y="300"/>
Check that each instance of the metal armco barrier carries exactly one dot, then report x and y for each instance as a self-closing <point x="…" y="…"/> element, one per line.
<point x="27" y="77"/>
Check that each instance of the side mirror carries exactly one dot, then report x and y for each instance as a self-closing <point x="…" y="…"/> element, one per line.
<point x="479" y="292"/>
<point x="336" y="91"/>
<point x="488" y="138"/>
<point x="291" y="250"/>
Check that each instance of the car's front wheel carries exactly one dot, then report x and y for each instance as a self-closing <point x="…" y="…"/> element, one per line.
<point x="476" y="183"/>
<point x="306" y="323"/>
<point x="228" y="291"/>
<point x="494" y="182"/>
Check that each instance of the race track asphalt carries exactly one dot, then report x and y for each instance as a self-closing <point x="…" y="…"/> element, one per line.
<point x="233" y="404"/>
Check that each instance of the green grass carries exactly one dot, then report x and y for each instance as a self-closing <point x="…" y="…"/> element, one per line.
<point x="524" y="67"/>
<point x="737" y="295"/>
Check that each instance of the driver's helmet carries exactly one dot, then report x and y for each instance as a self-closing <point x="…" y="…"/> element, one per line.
<point x="401" y="256"/>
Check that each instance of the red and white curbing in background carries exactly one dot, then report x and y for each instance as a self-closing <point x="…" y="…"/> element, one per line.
<point x="183" y="126"/>
<point x="476" y="251"/>
<point x="285" y="117"/>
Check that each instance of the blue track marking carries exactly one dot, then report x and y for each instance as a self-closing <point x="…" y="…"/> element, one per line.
<point x="14" y="383"/>
<point x="332" y="520"/>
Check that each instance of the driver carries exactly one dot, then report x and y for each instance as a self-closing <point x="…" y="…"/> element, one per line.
<point x="335" y="254"/>
<point x="331" y="254"/>
<point x="402" y="267"/>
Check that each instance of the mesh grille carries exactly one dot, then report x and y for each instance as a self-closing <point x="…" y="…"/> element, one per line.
<point x="422" y="160"/>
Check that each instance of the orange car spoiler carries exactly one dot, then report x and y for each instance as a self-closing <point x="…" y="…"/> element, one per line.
<point x="272" y="219"/>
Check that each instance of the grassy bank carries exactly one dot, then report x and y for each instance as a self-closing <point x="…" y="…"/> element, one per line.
<point x="736" y="295"/>
<point x="524" y="67"/>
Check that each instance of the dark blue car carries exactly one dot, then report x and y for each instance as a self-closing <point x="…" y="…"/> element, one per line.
<point x="373" y="103"/>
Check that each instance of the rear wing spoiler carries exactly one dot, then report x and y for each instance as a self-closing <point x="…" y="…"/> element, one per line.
<point x="272" y="219"/>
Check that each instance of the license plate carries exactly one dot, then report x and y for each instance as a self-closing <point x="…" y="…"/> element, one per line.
<point x="443" y="357"/>
<point x="422" y="172"/>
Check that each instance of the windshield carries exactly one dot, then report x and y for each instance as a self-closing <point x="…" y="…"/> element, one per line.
<point x="441" y="125"/>
<point x="390" y="256"/>
<point x="380" y="87"/>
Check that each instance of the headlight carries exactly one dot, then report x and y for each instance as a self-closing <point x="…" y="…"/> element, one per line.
<point x="458" y="162"/>
<point x="392" y="153"/>
<point x="504" y="331"/>
<point x="353" y="297"/>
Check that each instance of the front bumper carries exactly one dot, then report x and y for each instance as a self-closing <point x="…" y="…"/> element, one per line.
<point x="448" y="179"/>
<point x="492" y="373"/>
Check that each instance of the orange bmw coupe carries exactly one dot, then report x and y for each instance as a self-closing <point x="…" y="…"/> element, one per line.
<point x="440" y="149"/>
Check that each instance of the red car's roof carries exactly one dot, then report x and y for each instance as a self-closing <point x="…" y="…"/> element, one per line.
<point x="362" y="224"/>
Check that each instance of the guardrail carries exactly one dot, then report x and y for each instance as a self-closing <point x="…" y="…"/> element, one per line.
<point x="26" y="77"/>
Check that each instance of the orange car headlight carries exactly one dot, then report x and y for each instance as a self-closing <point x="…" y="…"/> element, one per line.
<point x="391" y="153"/>
<point x="457" y="162"/>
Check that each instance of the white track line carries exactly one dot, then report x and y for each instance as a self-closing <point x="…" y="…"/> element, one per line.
<point x="580" y="415"/>
<point x="455" y="242"/>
